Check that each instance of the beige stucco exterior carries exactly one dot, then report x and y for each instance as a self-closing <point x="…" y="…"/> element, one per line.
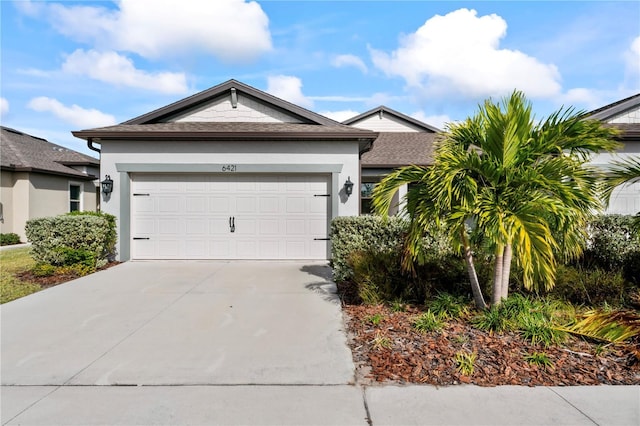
<point x="27" y="196"/>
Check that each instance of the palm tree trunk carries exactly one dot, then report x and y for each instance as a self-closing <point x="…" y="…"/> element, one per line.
<point x="471" y="270"/>
<point x="506" y="270"/>
<point x="496" y="297"/>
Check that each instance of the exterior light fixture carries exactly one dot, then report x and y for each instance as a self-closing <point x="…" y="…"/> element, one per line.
<point x="348" y="186"/>
<point x="107" y="185"/>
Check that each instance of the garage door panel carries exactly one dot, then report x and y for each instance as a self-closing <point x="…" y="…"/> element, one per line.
<point x="196" y="204"/>
<point x="196" y="226"/>
<point x="186" y="216"/>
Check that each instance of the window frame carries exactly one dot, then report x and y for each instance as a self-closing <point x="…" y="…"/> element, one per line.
<point x="80" y="196"/>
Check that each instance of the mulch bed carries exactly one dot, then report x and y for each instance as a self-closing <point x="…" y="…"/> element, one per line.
<point x="429" y="358"/>
<point x="53" y="280"/>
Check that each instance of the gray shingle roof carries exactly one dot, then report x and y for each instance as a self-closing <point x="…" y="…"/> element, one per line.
<point x="22" y="152"/>
<point x="615" y="108"/>
<point x="396" y="149"/>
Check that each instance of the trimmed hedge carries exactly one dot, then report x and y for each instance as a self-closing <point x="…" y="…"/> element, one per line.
<point x="9" y="239"/>
<point x="351" y="234"/>
<point x="88" y="238"/>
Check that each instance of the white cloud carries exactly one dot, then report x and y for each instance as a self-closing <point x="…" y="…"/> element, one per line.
<point x="231" y="30"/>
<point x="4" y="106"/>
<point x="119" y="70"/>
<point x="78" y="116"/>
<point x="288" y="88"/>
<point x="438" y="120"/>
<point x="460" y="53"/>
<point x="339" y="116"/>
<point x="349" y="61"/>
<point x="585" y="98"/>
<point x="632" y="57"/>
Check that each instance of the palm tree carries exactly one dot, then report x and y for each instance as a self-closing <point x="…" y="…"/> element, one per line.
<point x="525" y="189"/>
<point x="621" y="173"/>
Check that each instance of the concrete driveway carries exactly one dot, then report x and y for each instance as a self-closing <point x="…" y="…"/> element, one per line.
<point x="181" y="323"/>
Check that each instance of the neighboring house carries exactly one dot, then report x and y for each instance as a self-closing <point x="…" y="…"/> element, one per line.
<point x="625" y="116"/>
<point x="39" y="178"/>
<point x="402" y="140"/>
<point x="229" y="173"/>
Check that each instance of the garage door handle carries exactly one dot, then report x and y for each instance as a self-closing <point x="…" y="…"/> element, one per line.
<point x="140" y="238"/>
<point x="321" y="239"/>
<point x="232" y="224"/>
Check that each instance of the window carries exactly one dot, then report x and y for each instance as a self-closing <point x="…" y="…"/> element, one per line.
<point x="75" y="193"/>
<point x="366" y="191"/>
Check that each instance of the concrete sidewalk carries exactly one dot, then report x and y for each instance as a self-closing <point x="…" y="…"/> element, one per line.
<point x="320" y="405"/>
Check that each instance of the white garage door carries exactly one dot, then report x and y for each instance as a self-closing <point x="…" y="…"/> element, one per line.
<point x="207" y="216"/>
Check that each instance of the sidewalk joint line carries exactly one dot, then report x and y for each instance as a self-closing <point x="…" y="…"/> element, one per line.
<point x="55" y="388"/>
<point x="568" y="402"/>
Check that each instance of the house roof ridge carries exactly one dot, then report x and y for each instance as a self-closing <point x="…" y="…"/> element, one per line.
<point x="386" y="109"/>
<point x="219" y="89"/>
<point x="614" y="108"/>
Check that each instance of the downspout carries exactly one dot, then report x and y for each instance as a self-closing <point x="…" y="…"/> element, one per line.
<point x="91" y="147"/>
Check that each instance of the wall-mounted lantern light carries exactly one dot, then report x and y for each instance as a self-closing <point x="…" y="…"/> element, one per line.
<point x="348" y="186"/>
<point x="107" y="185"/>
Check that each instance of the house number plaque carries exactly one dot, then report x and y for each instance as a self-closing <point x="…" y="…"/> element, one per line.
<point x="229" y="168"/>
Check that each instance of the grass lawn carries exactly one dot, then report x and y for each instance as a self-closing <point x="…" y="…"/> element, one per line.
<point x="13" y="262"/>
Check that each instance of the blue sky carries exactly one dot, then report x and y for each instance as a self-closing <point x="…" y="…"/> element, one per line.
<point x="71" y="65"/>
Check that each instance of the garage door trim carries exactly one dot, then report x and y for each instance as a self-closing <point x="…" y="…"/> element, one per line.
<point x="125" y="184"/>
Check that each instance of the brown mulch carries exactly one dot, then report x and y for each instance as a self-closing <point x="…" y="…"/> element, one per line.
<point x="429" y="358"/>
<point x="53" y="280"/>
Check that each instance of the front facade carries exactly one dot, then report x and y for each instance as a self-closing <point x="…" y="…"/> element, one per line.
<point x="40" y="179"/>
<point x="625" y="116"/>
<point x="229" y="173"/>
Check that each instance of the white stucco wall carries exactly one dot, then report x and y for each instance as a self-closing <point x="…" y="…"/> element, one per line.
<point x="261" y="153"/>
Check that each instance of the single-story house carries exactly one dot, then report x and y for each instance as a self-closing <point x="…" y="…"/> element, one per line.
<point x="39" y="178"/>
<point x="236" y="173"/>
<point x="229" y="173"/>
<point x="625" y="116"/>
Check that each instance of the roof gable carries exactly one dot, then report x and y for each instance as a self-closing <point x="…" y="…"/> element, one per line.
<point x="232" y="101"/>
<point x="623" y="111"/>
<point x="23" y="152"/>
<point x="385" y="119"/>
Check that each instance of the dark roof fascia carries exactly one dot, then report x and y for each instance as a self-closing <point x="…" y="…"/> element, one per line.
<point x="47" y="172"/>
<point x="614" y="108"/>
<point x="101" y="135"/>
<point x="78" y="163"/>
<point x="216" y="91"/>
<point x="387" y="110"/>
<point x="391" y="166"/>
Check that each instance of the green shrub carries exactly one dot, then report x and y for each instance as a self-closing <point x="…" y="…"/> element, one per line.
<point x="360" y="234"/>
<point x="428" y="321"/>
<point x="591" y="287"/>
<point x="111" y="237"/>
<point x="377" y="275"/>
<point x="9" y="239"/>
<point x="447" y="306"/>
<point x="43" y="270"/>
<point x="59" y="240"/>
<point x="71" y="256"/>
<point x="612" y="238"/>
